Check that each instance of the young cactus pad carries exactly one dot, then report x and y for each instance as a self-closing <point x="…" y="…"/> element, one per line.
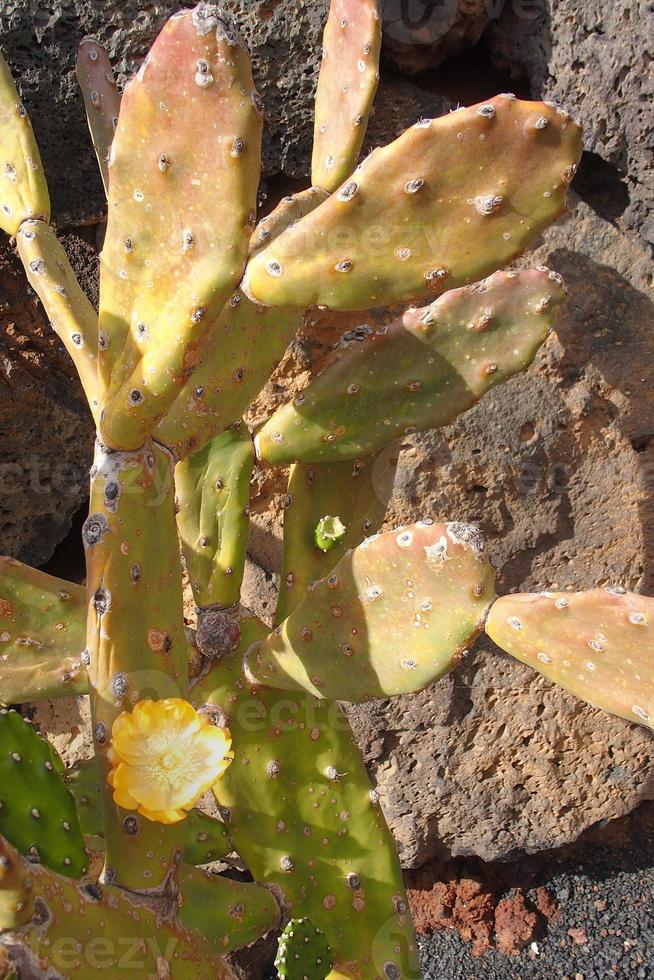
<point x="101" y="100"/>
<point x="422" y="371"/>
<point x="394" y="615"/>
<point x="303" y="952"/>
<point x="42" y="635"/>
<point x="348" y="81"/>
<point x="37" y="812"/>
<point x="23" y="190"/>
<point x="447" y="203"/>
<point x="598" y="645"/>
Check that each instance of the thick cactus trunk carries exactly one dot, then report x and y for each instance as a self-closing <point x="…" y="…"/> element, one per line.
<point x="135" y="639"/>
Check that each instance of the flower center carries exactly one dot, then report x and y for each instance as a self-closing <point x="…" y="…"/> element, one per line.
<point x="169" y="761"/>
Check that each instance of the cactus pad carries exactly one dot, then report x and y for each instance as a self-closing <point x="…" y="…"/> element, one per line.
<point x="421" y="372"/>
<point x="72" y="930"/>
<point x="42" y="635"/>
<point x="446" y="204"/>
<point x="349" y="75"/>
<point x="23" y="190"/>
<point x="242" y="350"/>
<point x="70" y="314"/>
<point x="358" y="490"/>
<point x="37" y="812"/>
<point x="228" y="913"/>
<point x="303" y="952"/>
<point x="213" y="492"/>
<point x="184" y="171"/>
<point x="206" y="839"/>
<point x="599" y="645"/>
<point x="299" y="806"/>
<point x="136" y="644"/>
<point x="392" y="616"/>
<point x="101" y="100"/>
<point x="289" y="210"/>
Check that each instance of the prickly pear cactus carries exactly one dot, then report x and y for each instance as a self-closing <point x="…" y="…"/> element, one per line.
<point x="303" y="953"/>
<point x="37" y="812"/>
<point x="198" y="303"/>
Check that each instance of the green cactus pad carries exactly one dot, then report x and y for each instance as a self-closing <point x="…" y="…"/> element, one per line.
<point x="421" y="372"/>
<point x="23" y="190"/>
<point x="302" y="814"/>
<point x="37" y="812"/>
<point x="183" y="177"/>
<point x="205" y="838"/>
<point x="303" y="952"/>
<point x="449" y="202"/>
<point x="349" y="75"/>
<point x="599" y="645"/>
<point x="242" y="350"/>
<point x="101" y="100"/>
<point x="228" y="913"/>
<point x="213" y="493"/>
<point x="61" y="928"/>
<point x="361" y="488"/>
<point x="42" y="635"/>
<point x="136" y="641"/>
<point x="70" y="314"/>
<point x="394" y="615"/>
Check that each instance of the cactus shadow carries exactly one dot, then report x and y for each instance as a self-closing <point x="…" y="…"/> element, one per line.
<point x="608" y="336"/>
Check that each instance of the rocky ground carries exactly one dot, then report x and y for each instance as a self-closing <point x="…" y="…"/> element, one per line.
<point x="557" y="466"/>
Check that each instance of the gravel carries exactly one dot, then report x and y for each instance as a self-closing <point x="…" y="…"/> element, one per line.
<point x="604" y="888"/>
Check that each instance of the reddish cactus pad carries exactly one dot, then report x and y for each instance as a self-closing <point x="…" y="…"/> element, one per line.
<point x="348" y="81"/>
<point x="184" y="170"/>
<point x="598" y="645"/>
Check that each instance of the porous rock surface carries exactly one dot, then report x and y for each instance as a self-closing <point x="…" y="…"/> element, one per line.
<point x="557" y="467"/>
<point x="284" y="38"/>
<point x="46" y="434"/>
<point x="419" y="34"/>
<point x="595" y="58"/>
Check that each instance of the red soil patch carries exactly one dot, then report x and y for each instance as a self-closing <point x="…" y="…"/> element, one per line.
<point x="449" y="897"/>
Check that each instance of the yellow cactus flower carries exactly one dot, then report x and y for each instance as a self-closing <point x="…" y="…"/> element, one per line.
<point x="164" y="756"/>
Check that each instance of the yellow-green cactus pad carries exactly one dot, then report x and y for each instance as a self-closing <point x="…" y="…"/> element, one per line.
<point x="355" y="491"/>
<point x="42" y="635"/>
<point x="446" y="204"/>
<point x="23" y="190"/>
<point x="599" y="645"/>
<point x="71" y="315"/>
<point x="242" y="350"/>
<point x="347" y="85"/>
<point x="213" y="492"/>
<point x="421" y="372"/>
<point x="395" y="614"/>
<point x="183" y="176"/>
<point x="228" y="913"/>
<point x="136" y="645"/>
